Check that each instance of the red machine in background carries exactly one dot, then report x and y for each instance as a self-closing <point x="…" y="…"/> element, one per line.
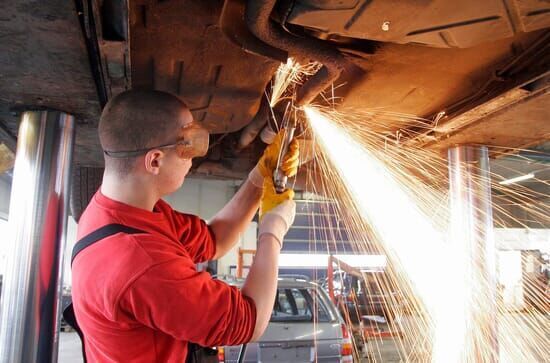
<point x="362" y="298"/>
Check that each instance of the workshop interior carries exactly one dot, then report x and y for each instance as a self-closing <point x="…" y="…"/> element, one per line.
<point x="422" y="228"/>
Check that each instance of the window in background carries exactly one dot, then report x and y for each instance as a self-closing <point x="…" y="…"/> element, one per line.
<point x="292" y="304"/>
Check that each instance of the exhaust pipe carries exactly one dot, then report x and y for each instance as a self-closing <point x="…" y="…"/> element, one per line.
<point x="257" y="17"/>
<point x="252" y="130"/>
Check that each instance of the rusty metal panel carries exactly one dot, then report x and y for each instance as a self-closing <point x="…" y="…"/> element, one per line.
<point x="534" y="14"/>
<point x="178" y="46"/>
<point x="522" y="125"/>
<point x="44" y="63"/>
<point x="437" y="23"/>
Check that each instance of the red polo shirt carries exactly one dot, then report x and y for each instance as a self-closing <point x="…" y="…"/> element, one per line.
<point x="139" y="297"/>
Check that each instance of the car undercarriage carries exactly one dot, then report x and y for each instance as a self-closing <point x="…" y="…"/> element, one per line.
<point x="477" y="73"/>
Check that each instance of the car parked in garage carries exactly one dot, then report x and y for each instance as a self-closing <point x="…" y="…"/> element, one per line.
<point x="305" y="326"/>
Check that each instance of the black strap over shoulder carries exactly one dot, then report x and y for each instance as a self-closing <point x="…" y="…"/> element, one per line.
<point x="95" y="236"/>
<point x="101" y="233"/>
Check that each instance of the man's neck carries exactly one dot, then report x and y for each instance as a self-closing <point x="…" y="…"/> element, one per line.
<point x="129" y="190"/>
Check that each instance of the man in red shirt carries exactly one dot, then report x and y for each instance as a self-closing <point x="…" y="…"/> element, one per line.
<point x="138" y="297"/>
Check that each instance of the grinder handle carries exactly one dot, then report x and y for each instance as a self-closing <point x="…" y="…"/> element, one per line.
<point x="279" y="177"/>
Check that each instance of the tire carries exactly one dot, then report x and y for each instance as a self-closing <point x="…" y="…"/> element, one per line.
<point x="85" y="182"/>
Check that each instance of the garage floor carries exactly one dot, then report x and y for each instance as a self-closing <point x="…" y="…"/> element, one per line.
<point x="381" y="350"/>
<point x="69" y="348"/>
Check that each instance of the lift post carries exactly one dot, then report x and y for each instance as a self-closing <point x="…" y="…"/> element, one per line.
<point x="29" y="316"/>
<point x="472" y="225"/>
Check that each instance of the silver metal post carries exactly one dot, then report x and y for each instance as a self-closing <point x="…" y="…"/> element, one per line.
<point x="29" y="316"/>
<point x="472" y="225"/>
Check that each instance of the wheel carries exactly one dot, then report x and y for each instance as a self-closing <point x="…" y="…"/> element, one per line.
<point x="85" y="182"/>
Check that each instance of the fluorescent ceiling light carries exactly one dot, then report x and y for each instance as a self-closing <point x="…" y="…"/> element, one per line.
<point x="303" y="260"/>
<point x="517" y="179"/>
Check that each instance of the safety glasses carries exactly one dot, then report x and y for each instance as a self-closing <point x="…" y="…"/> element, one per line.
<point x="193" y="143"/>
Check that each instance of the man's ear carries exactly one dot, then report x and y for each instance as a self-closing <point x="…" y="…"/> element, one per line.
<point x="153" y="161"/>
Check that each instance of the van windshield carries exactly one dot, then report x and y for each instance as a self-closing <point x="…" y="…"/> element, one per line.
<point x="293" y="304"/>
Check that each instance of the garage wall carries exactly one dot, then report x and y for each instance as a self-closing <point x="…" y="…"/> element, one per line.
<point x="513" y="216"/>
<point x="517" y="239"/>
<point x="5" y="190"/>
<point x="205" y="198"/>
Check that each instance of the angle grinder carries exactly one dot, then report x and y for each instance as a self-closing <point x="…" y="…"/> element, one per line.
<point x="279" y="178"/>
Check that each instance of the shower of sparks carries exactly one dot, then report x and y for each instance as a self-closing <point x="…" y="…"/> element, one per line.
<point x="391" y="197"/>
<point x="396" y="198"/>
<point x="287" y="76"/>
<point x="404" y="229"/>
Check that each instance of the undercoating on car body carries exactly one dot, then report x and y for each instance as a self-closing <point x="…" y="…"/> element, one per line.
<point x="185" y="47"/>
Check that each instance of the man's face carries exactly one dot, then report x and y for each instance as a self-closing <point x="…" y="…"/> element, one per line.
<point x="174" y="168"/>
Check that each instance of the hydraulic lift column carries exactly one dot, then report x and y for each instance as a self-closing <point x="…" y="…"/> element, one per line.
<point x="29" y="317"/>
<point x="472" y="225"/>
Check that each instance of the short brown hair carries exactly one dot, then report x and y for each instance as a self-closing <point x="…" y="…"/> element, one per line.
<point x="135" y="120"/>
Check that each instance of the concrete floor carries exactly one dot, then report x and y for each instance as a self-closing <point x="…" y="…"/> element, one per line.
<point x="70" y="350"/>
<point x="384" y="350"/>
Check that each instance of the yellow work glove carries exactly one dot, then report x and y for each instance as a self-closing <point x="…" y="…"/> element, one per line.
<point x="271" y="199"/>
<point x="268" y="162"/>
<point x="277" y="212"/>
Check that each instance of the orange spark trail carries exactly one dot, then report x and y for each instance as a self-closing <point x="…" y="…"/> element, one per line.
<point x="418" y="243"/>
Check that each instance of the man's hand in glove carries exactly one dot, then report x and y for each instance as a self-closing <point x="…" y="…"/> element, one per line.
<point x="268" y="162"/>
<point x="277" y="212"/>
